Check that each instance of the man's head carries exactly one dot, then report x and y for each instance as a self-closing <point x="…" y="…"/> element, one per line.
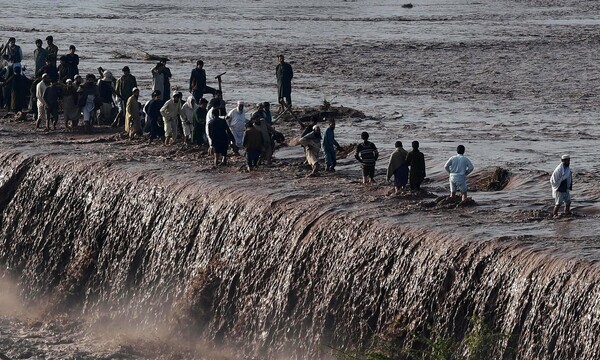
<point x="62" y="59"/>
<point x="281" y="59"/>
<point x="398" y="144"/>
<point x="267" y="106"/>
<point x="215" y="112"/>
<point x="218" y="94"/>
<point x="72" y="49"/>
<point x="77" y="79"/>
<point x="17" y="70"/>
<point x="460" y="149"/>
<point x="203" y="103"/>
<point x="46" y="78"/>
<point x="566" y="160"/>
<point x="331" y="123"/>
<point x="164" y="61"/>
<point x="240" y="105"/>
<point x="364" y="135"/>
<point x="12" y="41"/>
<point x="199" y="64"/>
<point x="49" y="39"/>
<point x="177" y="96"/>
<point x="90" y="78"/>
<point x="39" y="43"/>
<point x="126" y="70"/>
<point x="156" y="94"/>
<point x="135" y="92"/>
<point x="316" y="129"/>
<point x="415" y="145"/>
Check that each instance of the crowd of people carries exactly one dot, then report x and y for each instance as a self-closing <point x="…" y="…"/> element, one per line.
<point x="204" y="122"/>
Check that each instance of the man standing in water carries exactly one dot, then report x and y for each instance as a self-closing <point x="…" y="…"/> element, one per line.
<point x="284" y="74"/>
<point x="562" y="182"/>
<point x="329" y="146"/>
<point x="198" y="82"/>
<point x="51" y="49"/>
<point x="124" y="89"/>
<point x="459" y="166"/>
<point x="398" y="168"/>
<point x="170" y="112"/>
<point x="416" y="160"/>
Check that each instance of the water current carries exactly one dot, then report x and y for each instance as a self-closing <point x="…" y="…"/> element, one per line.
<point x="277" y="266"/>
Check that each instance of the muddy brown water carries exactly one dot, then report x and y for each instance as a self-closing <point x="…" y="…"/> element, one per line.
<point x="131" y="236"/>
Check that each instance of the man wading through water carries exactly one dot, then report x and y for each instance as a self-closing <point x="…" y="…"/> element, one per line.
<point x="562" y="182"/>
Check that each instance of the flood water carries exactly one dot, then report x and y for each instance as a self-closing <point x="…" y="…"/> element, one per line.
<point x="516" y="82"/>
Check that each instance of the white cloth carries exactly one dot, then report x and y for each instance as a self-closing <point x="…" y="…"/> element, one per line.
<point x="209" y="118"/>
<point x="237" y="124"/>
<point x="88" y="109"/>
<point x="39" y="92"/>
<point x="187" y="116"/>
<point x="459" y="165"/>
<point x="560" y="173"/>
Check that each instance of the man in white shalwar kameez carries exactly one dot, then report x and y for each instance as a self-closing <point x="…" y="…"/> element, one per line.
<point x="187" y="118"/>
<point x="236" y="119"/>
<point x="562" y="181"/>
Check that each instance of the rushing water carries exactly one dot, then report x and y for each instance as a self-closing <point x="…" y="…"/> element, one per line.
<point x="515" y="81"/>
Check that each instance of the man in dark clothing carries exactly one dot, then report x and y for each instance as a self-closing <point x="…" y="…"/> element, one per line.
<point x="124" y="89"/>
<point x="416" y="161"/>
<point x="367" y="154"/>
<point x="40" y="55"/>
<point x="220" y="136"/>
<point x="19" y="85"/>
<point x="284" y="74"/>
<point x="63" y="71"/>
<point x="51" y="96"/>
<point x="267" y="113"/>
<point x="218" y="102"/>
<point x="198" y="82"/>
<point x="72" y="61"/>
<point x="52" y="50"/>
<point x="13" y="53"/>
<point x="154" y="126"/>
<point x="50" y="69"/>
<point x="253" y="143"/>
<point x="199" y="128"/>
<point x="329" y="146"/>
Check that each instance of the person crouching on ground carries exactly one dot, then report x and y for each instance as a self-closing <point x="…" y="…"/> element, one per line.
<point x="459" y="166"/>
<point x="312" y="148"/>
<point x="253" y="143"/>
<point x="398" y="167"/>
<point x="367" y="154"/>
<point x="328" y="146"/>
<point x="170" y="112"/>
<point x="562" y="182"/>
<point x="220" y="137"/>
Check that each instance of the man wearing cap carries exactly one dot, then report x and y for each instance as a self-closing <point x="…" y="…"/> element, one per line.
<point x="13" y="53"/>
<point x="161" y="76"/>
<point x="124" y="88"/>
<point x="70" y="110"/>
<point x="312" y="148"/>
<point x="459" y="166"/>
<point x="133" y="125"/>
<point x="105" y="88"/>
<point x="170" y="112"/>
<point x="51" y="49"/>
<point x="41" y="104"/>
<point x="236" y="119"/>
<point x="562" y="182"/>
<point x="40" y="55"/>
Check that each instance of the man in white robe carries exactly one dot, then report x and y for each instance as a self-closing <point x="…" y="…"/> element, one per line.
<point x="562" y="182"/>
<point x="236" y="119"/>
